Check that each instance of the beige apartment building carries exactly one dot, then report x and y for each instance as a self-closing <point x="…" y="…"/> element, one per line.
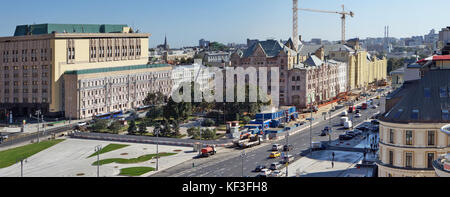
<point x="36" y="59"/>
<point x="363" y="68"/>
<point x="410" y="137"/>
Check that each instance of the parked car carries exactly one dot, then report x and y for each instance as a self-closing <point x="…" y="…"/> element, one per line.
<point x="348" y="124"/>
<point x="373" y="106"/>
<point x="276" y="173"/>
<point x="317" y="146"/>
<point x="357" y="111"/>
<point x="274" y="155"/>
<point x="275" y="166"/>
<point x="260" y="168"/>
<point x="345" y="137"/>
<point x="276" y="147"/>
<point x="264" y="173"/>
<point x="375" y="122"/>
<point x="358" y="115"/>
<point x="288" y="147"/>
<point x="351" y="133"/>
<point x="287" y="158"/>
<point x="344" y="113"/>
<point x="325" y="131"/>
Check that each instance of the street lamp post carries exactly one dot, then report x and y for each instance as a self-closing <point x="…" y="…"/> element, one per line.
<point x="21" y="166"/>
<point x="157" y="150"/>
<point x="286" y="153"/>
<point x="98" y="149"/>
<point x="38" y="117"/>
<point x="243" y="157"/>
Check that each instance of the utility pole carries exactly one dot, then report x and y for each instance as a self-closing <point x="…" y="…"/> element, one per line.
<point x="21" y="165"/>
<point x="286" y="153"/>
<point x="38" y="116"/>
<point x="243" y="157"/>
<point x="98" y="149"/>
<point x="157" y="150"/>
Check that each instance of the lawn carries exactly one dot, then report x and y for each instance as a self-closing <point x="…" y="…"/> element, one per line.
<point x="135" y="171"/>
<point x="140" y="159"/>
<point x="11" y="156"/>
<point x="109" y="148"/>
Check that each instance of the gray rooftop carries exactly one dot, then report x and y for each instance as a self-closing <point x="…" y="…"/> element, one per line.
<point x="271" y="48"/>
<point x="423" y="101"/>
<point x="313" y="61"/>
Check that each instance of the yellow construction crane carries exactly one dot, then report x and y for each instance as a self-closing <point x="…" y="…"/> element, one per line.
<point x="343" y="14"/>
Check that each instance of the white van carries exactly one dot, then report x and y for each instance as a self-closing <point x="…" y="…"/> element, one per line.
<point x="343" y="120"/>
<point x="348" y="124"/>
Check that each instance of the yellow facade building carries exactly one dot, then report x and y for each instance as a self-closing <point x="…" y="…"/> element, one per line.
<point x="37" y="57"/>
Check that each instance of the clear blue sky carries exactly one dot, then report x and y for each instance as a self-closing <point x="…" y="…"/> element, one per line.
<point x="187" y="21"/>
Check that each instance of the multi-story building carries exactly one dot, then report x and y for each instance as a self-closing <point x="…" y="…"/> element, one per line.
<point x="410" y="137"/>
<point x="363" y="69"/>
<point x="269" y="53"/>
<point x="36" y="59"/>
<point x="193" y="73"/>
<point x="316" y="80"/>
<point x="217" y="59"/>
<point x="97" y="91"/>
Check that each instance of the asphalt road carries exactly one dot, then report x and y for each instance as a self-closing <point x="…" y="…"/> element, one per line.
<point x="232" y="164"/>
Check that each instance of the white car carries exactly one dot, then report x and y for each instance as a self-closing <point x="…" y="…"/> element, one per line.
<point x="344" y="113"/>
<point x="277" y="147"/>
<point x="276" y="173"/>
<point x="265" y="172"/>
<point x="358" y="115"/>
<point x="82" y="124"/>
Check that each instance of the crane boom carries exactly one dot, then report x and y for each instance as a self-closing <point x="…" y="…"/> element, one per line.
<point x="343" y="16"/>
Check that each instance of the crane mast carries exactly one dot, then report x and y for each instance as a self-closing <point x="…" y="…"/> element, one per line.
<point x="295" y="37"/>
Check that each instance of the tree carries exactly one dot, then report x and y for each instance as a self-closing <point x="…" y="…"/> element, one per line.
<point x="194" y="132"/>
<point x="132" y="128"/>
<point x="246" y="119"/>
<point x="209" y="134"/>
<point x="142" y="128"/>
<point x="155" y="112"/>
<point x="100" y="124"/>
<point x="166" y="130"/>
<point x="155" y="98"/>
<point x="176" y="128"/>
<point x="208" y="123"/>
<point x="115" y="127"/>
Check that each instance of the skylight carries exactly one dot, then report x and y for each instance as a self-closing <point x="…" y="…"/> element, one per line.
<point x="398" y="113"/>
<point x="427" y="92"/>
<point x="445" y="115"/>
<point x="415" y="114"/>
<point x="443" y="92"/>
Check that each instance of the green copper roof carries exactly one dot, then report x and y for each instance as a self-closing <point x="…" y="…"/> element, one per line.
<point x="40" y="29"/>
<point x="114" y="69"/>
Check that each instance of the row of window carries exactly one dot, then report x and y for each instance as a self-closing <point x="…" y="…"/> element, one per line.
<point x="25" y="100"/>
<point x="25" y="83"/>
<point x="409" y="158"/>
<point x="45" y="55"/>
<point x="34" y="75"/>
<point x="16" y="91"/>
<point x="431" y="137"/>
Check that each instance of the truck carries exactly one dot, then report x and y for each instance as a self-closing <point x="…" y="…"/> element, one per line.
<point x="253" y="141"/>
<point x="348" y="124"/>
<point x="208" y="151"/>
<point x="364" y="106"/>
<point x="343" y="120"/>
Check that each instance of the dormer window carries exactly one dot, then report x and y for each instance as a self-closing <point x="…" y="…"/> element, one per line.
<point x="415" y="114"/>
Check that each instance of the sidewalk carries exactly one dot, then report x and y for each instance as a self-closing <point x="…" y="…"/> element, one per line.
<point x="318" y="164"/>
